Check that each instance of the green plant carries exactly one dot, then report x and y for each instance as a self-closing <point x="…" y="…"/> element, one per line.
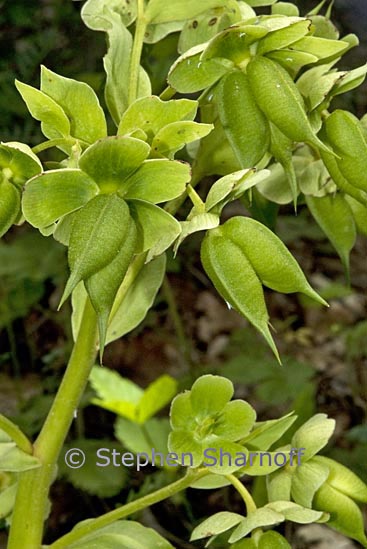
<point x="260" y="122"/>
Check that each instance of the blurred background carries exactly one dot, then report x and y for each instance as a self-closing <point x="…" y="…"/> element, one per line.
<point x="190" y="331"/>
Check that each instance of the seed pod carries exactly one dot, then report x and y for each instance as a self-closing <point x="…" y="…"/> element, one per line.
<point x="236" y="281"/>
<point x="103" y="285"/>
<point x="246" y="127"/>
<point x="278" y="97"/>
<point x="339" y="179"/>
<point x="335" y="218"/>
<point x="97" y="234"/>
<point x="273" y="263"/>
<point x="346" y="137"/>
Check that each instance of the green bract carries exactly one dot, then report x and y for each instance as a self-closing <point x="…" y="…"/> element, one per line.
<point x="205" y="418"/>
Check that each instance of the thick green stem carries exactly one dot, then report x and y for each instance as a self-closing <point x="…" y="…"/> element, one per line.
<point x="244" y="493"/>
<point x="136" y="53"/>
<point x="31" y="502"/>
<point x="133" y="507"/>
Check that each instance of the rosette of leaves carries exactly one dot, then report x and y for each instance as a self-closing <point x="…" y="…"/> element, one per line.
<point x="321" y="483"/>
<point x="17" y="165"/>
<point x="205" y="417"/>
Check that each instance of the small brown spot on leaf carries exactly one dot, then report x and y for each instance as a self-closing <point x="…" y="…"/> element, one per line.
<point x="213" y="21"/>
<point x="194" y="24"/>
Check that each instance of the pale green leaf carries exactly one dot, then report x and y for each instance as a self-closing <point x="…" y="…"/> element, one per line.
<point x="157" y="181"/>
<point x="282" y="38"/>
<point x="159" y="11"/>
<point x="322" y="48"/>
<point x="235" y="421"/>
<point x="181" y="413"/>
<point x="266" y="433"/>
<point x="93" y="12"/>
<point x="151" y="114"/>
<point x="123" y="534"/>
<point x="9" y="206"/>
<point x="173" y="137"/>
<point x="313" y="435"/>
<point x="257" y="519"/>
<point x="80" y="104"/>
<point x="20" y="160"/>
<point x="54" y="121"/>
<point x="110" y="161"/>
<point x="148" y="438"/>
<point x="209" y="395"/>
<point x="279" y="485"/>
<point x="157" y="229"/>
<point x="296" y="513"/>
<point x="307" y="479"/>
<point x="117" y="60"/>
<point x="53" y="194"/>
<point x="105" y="480"/>
<point x="13" y="459"/>
<point x="222" y="456"/>
<point x="199" y="222"/>
<point x="183" y="442"/>
<point x="109" y="385"/>
<point x="138" y="299"/>
<point x="190" y="74"/>
<point x="157" y="395"/>
<point x="216" y="524"/>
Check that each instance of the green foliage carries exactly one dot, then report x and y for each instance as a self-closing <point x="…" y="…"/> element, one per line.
<point x="262" y="124"/>
<point x="127" y="534"/>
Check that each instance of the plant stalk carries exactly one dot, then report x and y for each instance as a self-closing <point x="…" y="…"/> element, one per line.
<point x="134" y="506"/>
<point x="244" y="493"/>
<point x="136" y="53"/>
<point x="31" y="504"/>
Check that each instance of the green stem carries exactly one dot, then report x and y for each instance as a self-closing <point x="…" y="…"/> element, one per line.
<point x="16" y="434"/>
<point x="136" y="53"/>
<point x="244" y="493"/>
<point x="167" y="93"/>
<point x="133" y="507"/>
<point x="31" y="503"/>
<point x="62" y="141"/>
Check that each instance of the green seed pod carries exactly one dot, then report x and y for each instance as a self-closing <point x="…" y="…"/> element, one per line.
<point x="246" y="127"/>
<point x="9" y="206"/>
<point x="273" y="263"/>
<point x="236" y="281"/>
<point x="278" y="97"/>
<point x="345" y="134"/>
<point x="339" y="179"/>
<point x="102" y="287"/>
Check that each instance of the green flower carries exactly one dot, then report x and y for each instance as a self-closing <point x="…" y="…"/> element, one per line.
<point x="204" y="418"/>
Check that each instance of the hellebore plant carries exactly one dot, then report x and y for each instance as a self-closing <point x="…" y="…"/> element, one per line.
<point x="260" y="126"/>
